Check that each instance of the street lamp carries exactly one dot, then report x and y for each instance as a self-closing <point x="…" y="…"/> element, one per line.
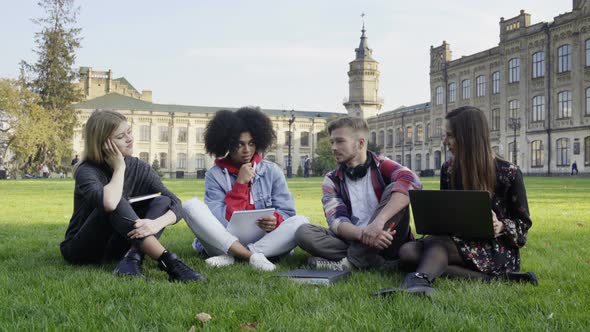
<point x="514" y="123"/>
<point x="289" y="164"/>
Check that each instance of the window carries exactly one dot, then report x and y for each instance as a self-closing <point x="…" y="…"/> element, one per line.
<point x="587" y="151"/>
<point x="495" y="119"/>
<point x="538" y="64"/>
<point x="389" y="138"/>
<point x="408" y="163"/>
<point x="381" y="138"/>
<point x="438" y="127"/>
<point x="564" y="104"/>
<point x="418" y="162"/>
<point x="182" y="136"/>
<point x="373" y="137"/>
<point x="466" y="86"/>
<point x="427" y="161"/>
<point x="536" y="153"/>
<point x="427" y="131"/>
<point x="588" y="52"/>
<point x="419" y="134"/>
<point x="144" y="133"/>
<point x="399" y="136"/>
<point x="587" y="101"/>
<point x="564" y="58"/>
<point x="200" y="137"/>
<point x="438" y="95"/>
<point x="563" y="152"/>
<point x="398" y="158"/>
<point x="437" y="159"/>
<point x="304" y="138"/>
<point x="144" y="156"/>
<point x="181" y="161"/>
<point x="538" y="109"/>
<point x="163" y="134"/>
<point x="513" y="107"/>
<point x="512" y="154"/>
<point x="514" y="70"/>
<point x="496" y="83"/>
<point x="163" y="160"/>
<point x="480" y="84"/>
<point x="200" y="161"/>
<point x="409" y="134"/>
<point x="452" y="92"/>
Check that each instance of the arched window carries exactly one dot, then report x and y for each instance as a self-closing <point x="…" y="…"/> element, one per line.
<point x="373" y="137"/>
<point x="181" y="161"/>
<point x="466" y="89"/>
<point x="537" y="153"/>
<point x="163" y="160"/>
<point x="564" y="104"/>
<point x="564" y="58"/>
<point x="452" y="92"/>
<point x="480" y="84"/>
<point x="439" y="95"/>
<point x="418" y="162"/>
<point x="538" y="64"/>
<point x="437" y="159"/>
<point x="144" y="156"/>
<point x="514" y="70"/>
<point x="381" y="138"/>
<point x="389" y="138"/>
<point x="563" y="155"/>
<point x="538" y="109"/>
<point x="496" y="83"/>
<point x="200" y="161"/>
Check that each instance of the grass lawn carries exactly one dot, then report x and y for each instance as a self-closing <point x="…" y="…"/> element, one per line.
<point x="39" y="291"/>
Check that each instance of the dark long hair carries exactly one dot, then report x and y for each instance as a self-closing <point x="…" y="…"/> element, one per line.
<point x="473" y="160"/>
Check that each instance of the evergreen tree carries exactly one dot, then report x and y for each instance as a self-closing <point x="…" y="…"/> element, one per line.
<point x="52" y="77"/>
<point x="324" y="160"/>
<point x="156" y="167"/>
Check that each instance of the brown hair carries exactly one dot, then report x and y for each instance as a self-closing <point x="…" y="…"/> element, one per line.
<point x="97" y="130"/>
<point x="473" y="160"/>
<point x="357" y="125"/>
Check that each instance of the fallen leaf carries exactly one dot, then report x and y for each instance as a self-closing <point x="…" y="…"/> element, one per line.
<point x="245" y="327"/>
<point x="192" y="329"/>
<point x="547" y="243"/>
<point x="203" y="317"/>
<point x="550" y="316"/>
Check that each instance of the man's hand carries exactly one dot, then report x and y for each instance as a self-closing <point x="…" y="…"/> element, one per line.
<point x="268" y="224"/>
<point x="375" y="237"/>
<point x="498" y="225"/>
<point x="246" y="173"/>
<point x="145" y="228"/>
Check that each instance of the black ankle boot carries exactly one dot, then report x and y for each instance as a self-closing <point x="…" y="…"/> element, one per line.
<point x="130" y="264"/>
<point x="177" y="270"/>
<point x="417" y="283"/>
<point x="525" y="277"/>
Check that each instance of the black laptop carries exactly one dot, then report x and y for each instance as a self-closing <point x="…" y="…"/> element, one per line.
<point x="463" y="213"/>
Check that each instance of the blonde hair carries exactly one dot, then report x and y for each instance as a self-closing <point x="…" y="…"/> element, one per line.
<point x="473" y="161"/>
<point x="358" y="125"/>
<point x="97" y="130"/>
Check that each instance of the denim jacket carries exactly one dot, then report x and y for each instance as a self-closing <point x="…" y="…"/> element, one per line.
<point x="269" y="190"/>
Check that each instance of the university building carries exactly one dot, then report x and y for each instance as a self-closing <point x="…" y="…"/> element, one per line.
<point x="534" y="88"/>
<point x="173" y="134"/>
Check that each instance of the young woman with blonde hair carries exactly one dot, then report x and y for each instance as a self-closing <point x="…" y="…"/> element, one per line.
<point x="473" y="166"/>
<point x="104" y="225"/>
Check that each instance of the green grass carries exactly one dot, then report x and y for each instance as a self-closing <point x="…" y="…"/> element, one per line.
<point x="39" y="291"/>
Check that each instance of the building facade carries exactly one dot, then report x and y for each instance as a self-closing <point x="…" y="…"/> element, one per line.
<point x="534" y="88"/>
<point x="173" y="134"/>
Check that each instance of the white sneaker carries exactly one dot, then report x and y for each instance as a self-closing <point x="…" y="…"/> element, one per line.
<point x="220" y="261"/>
<point x="260" y="262"/>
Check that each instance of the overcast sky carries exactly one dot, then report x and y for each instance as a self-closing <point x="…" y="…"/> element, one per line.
<point x="275" y="54"/>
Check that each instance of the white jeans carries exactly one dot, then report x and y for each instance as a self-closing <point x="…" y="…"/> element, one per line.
<point x="216" y="239"/>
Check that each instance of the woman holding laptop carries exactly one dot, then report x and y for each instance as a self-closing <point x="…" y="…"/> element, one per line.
<point x="105" y="225"/>
<point x="474" y="166"/>
<point x="242" y="180"/>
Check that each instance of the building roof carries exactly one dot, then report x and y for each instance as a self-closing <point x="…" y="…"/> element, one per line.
<point x="406" y="109"/>
<point x="123" y="81"/>
<point x="118" y="102"/>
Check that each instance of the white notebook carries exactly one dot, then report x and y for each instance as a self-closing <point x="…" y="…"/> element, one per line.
<point x="243" y="224"/>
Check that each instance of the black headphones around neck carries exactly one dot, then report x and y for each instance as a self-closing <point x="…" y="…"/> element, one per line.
<point x="359" y="171"/>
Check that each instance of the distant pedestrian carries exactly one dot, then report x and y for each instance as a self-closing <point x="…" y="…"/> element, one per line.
<point x="45" y="171"/>
<point x="574" y="168"/>
<point x="75" y="160"/>
<point x="306" y="166"/>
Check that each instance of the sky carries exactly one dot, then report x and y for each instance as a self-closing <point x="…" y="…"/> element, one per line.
<point x="269" y="53"/>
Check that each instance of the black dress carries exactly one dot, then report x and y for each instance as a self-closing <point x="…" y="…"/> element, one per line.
<point x="509" y="202"/>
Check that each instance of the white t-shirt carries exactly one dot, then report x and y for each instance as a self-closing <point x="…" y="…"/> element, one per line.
<point x="362" y="199"/>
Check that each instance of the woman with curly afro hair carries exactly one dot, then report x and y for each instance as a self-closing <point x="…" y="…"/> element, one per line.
<point x="242" y="180"/>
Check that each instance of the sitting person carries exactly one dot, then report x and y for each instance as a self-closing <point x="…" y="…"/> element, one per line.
<point x="473" y="167"/>
<point x="365" y="202"/>
<point x="104" y="224"/>
<point x="241" y="180"/>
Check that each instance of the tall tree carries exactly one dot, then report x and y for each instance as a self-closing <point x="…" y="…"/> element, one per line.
<point x="53" y="77"/>
<point x="324" y="160"/>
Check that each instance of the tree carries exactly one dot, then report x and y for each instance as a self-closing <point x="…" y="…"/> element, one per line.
<point x="372" y="146"/>
<point x="26" y="124"/>
<point x="156" y="167"/>
<point x="52" y="78"/>
<point x="324" y="160"/>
